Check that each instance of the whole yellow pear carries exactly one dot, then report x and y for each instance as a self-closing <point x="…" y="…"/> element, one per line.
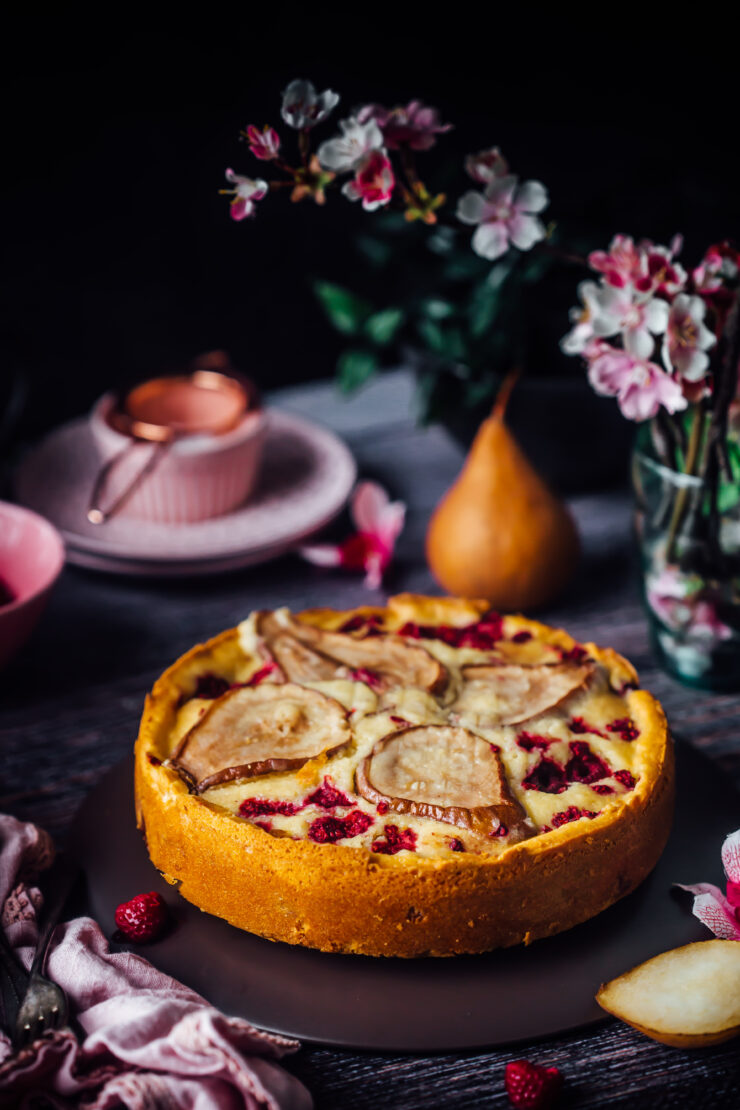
<point x="500" y="533"/>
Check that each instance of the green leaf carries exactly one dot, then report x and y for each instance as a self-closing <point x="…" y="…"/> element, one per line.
<point x="391" y="222"/>
<point x="441" y="241"/>
<point x="500" y="272"/>
<point x="437" y="309"/>
<point x="378" y="252"/>
<point x="447" y="342"/>
<point x="383" y="326"/>
<point x="728" y="493"/>
<point x="728" y="496"/>
<point x="477" y="392"/>
<point x="733" y="454"/>
<point x="463" y="268"/>
<point x="534" y="267"/>
<point x="431" y="333"/>
<point x="454" y="343"/>
<point x="484" y="305"/>
<point x="345" y="310"/>
<point x="355" y="366"/>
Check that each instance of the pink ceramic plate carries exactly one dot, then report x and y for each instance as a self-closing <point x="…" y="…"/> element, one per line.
<point x="307" y="475"/>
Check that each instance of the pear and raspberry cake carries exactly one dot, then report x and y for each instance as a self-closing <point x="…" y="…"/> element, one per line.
<point x="428" y="778"/>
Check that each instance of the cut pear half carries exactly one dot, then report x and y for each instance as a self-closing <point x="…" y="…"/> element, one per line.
<point x="688" y="997"/>
<point x="252" y="731"/>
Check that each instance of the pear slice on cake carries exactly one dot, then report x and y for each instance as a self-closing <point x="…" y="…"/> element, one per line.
<point x="446" y="773"/>
<point x="688" y="997"/>
<point x="306" y="653"/>
<point x="257" y="730"/>
<point x="509" y="694"/>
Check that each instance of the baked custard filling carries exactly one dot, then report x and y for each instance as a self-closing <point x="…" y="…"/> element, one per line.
<point x="400" y="737"/>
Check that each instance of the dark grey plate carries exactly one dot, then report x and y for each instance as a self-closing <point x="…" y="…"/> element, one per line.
<point x="421" y="1005"/>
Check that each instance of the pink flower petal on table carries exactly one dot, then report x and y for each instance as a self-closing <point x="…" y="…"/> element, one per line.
<point x="374" y="576"/>
<point x="392" y="524"/>
<point x="373" y="512"/>
<point x="733" y="896"/>
<point x="369" y="502"/>
<point x="731" y="857"/>
<point x="322" y="554"/>
<point x="716" y="917"/>
<point x="702" y="888"/>
<point x="720" y="912"/>
<point x="379" y="522"/>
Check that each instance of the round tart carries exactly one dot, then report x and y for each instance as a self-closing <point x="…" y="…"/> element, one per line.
<point x="428" y="778"/>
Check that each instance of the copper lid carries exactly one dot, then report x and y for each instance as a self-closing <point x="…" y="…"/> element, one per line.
<point x="211" y="399"/>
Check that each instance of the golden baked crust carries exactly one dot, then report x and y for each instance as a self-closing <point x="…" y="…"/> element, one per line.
<point x="338" y="897"/>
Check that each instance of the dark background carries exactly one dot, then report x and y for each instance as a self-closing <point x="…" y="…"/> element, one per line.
<point x="119" y="256"/>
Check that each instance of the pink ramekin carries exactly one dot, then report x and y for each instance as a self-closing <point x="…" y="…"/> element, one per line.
<point x="31" y="560"/>
<point x="198" y="477"/>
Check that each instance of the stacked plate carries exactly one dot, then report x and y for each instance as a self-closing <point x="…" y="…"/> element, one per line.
<point x="306" y="477"/>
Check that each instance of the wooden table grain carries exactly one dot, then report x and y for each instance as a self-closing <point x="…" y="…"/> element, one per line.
<point x="70" y="705"/>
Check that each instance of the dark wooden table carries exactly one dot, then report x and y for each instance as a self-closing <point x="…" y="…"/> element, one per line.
<point x="70" y="705"/>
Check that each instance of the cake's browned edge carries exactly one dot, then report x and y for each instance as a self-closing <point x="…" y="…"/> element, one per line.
<point x="338" y="898"/>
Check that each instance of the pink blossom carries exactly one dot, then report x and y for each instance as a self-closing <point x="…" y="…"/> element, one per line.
<point x="621" y="265"/>
<point x="687" y="338"/>
<point x="485" y="165"/>
<point x="344" y="153"/>
<point x="379" y="522"/>
<point x="505" y="214"/>
<point x="640" y="386"/>
<point x="245" y="192"/>
<point x="662" y="274"/>
<point x="303" y="107"/>
<point x="680" y="601"/>
<point x="415" y="126"/>
<point x="637" y="318"/>
<point x="373" y="182"/>
<point x="720" y="263"/>
<point x="721" y="912"/>
<point x="705" y="622"/>
<point x="649" y="268"/>
<point x="671" y="583"/>
<point x="264" y="144"/>
<point x="582" y="332"/>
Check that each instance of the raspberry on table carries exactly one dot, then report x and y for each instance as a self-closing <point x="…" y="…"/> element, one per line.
<point x="143" y="918"/>
<point x="531" y="1086"/>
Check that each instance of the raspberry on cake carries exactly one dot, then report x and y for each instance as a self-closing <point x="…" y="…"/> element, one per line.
<point x="427" y="778"/>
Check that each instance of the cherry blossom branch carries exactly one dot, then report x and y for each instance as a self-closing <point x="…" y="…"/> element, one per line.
<point x="561" y="253"/>
<point x="304" y="146"/>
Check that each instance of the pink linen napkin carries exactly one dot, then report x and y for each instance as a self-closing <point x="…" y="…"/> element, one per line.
<point x="150" y="1043"/>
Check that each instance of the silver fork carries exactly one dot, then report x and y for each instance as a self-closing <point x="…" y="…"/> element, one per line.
<point x="13" y="983"/>
<point x="44" y="1005"/>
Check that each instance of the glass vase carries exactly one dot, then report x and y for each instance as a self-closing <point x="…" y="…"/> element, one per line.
<point x="689" y="537"/>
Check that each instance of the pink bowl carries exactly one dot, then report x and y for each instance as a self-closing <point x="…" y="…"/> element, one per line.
<point x="31" y="560"/>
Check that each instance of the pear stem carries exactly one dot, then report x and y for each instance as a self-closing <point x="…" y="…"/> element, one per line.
<point x="504" y="393"/>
